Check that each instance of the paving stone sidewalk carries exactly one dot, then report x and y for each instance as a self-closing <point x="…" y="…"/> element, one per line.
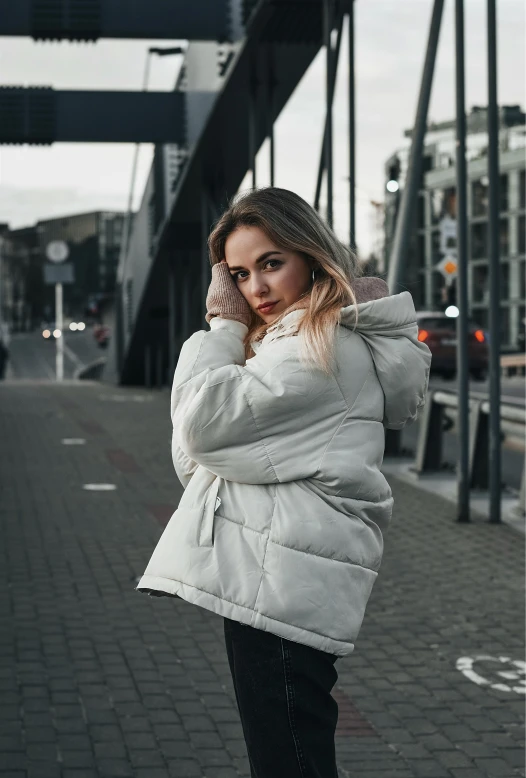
<point x="98" y="681"/>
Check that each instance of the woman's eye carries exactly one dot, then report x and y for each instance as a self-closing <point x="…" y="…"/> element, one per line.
<point x="236" y="275"/>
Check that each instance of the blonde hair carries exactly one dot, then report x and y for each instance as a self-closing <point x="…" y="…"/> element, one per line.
<point x="292" y="224"/>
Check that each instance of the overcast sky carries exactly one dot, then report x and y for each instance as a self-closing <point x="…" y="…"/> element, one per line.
<point x="391" y="35"/>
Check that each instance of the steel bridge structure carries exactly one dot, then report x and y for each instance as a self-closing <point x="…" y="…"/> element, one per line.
<point x="243" y="61"/>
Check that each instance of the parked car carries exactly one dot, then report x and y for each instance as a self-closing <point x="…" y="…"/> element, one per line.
<point x="439" y="333"/>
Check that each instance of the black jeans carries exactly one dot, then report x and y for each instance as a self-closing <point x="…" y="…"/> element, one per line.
<point x="283" y="692"/>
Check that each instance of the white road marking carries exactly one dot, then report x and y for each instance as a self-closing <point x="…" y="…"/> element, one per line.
<point x="99" y="487"/>
<point x="138" y="398"/>
<point x="516" y="672"/>
<point x="73" y="441"/>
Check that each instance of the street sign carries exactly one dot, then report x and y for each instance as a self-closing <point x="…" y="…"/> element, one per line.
<point x="448" y="266"/>
<point x="57" y="251"/>
<point x="59" y="274"/>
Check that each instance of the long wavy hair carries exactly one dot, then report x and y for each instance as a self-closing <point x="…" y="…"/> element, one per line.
<point x="293" y="225"/>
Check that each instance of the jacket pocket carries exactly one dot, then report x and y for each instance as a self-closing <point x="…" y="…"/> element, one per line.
<point x="205" y="534"/>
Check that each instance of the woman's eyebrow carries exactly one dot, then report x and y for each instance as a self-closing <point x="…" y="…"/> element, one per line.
<point x="259" y="259"/>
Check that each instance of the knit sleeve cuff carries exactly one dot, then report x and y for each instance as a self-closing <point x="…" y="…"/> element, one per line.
<point x="237" y="327"/>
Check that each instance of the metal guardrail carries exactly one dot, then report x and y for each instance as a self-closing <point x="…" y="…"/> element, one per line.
<point x="434" y="422"/>
<point x="513" y="364"/>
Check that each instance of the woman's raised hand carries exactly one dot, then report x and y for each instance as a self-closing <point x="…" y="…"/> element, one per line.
<point x="224" y="298"/>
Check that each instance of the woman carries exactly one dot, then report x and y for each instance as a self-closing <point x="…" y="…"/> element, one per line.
<point x="278" y="437"/>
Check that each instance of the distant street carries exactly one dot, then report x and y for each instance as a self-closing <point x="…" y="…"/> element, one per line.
<point x="33" y="357"/>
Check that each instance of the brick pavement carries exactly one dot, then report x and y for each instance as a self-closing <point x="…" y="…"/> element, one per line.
<point x="97" y="680"/>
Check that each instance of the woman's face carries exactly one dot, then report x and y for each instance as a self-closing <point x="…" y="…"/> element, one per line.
<point x="263" y="272"/>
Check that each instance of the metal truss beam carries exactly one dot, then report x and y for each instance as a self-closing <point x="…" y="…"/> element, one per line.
<point x="94" y="19"/>
<point x="45" y="116"/>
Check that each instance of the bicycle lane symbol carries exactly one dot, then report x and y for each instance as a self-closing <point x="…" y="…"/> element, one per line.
<point x="512" y="670"/>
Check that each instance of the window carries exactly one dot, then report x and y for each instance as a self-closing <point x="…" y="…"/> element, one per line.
<point x="522" y="189"/>
<point x="481" y="318"/>
<point x="521" y="292"/>
<point x="481" y="283"/>
<point x="505" y="326"/>
<point x="504" y="277"/>
<point x="480" y="289"/>
<point x="436" y="256"/>
<point x="479" y="197"/>
<point x="443" y="203"/>
<point x="521" y="226"/>
<point x="479" y="240"/>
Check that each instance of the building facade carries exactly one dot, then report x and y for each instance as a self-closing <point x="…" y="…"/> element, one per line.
<point x="434" y="228"/>
<point x="94" y="242"/>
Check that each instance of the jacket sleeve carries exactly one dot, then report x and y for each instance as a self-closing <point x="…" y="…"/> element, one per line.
<point x="247" y="422"/>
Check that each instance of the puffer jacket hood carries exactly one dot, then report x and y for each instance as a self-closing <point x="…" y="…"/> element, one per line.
<point x="389" y="328"/>
<point x="281" y="525"/>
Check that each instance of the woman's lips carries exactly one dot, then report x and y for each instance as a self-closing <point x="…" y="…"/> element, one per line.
<point x="266" y="308"/>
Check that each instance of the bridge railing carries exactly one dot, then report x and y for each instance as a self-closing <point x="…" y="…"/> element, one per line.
<point x="439" y="416"/>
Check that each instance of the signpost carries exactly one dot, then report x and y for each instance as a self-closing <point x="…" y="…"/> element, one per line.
<point x="448" y="267"/>
<point x="57" y="251"/>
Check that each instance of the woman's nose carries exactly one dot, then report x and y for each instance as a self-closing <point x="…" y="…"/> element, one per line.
<point x="259" y="287"/>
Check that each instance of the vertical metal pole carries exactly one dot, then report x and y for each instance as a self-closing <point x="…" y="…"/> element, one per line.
<point x="119" y="330"/>
<point x="59" y="322"/>
<point x="321" y="167"/>
<point x="494" y="282"/>
<point x="159" y="378"/>
<point x="462" y="278"/>
<point x="271" y="101"/>
<point x="185" y="302"/>
<point x="171" y="321"/>
<point x="327" y="27"/>
<point x="252" y="126"/>
<point x="147" y="367"/>
<point x="205" y="262"/>
<point x="410" y="192"/>
<point x="352" y="133"/>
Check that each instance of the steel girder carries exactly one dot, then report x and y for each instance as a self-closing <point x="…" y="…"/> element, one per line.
<point x="215" y="20"/>
<point x="44" y="116"/>
<point x="283" y="37"/>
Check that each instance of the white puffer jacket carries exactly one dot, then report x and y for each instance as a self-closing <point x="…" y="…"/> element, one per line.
<point x="281" y="523"/>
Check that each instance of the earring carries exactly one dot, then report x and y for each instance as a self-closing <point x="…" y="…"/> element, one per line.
<point x="313" y="275"/>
